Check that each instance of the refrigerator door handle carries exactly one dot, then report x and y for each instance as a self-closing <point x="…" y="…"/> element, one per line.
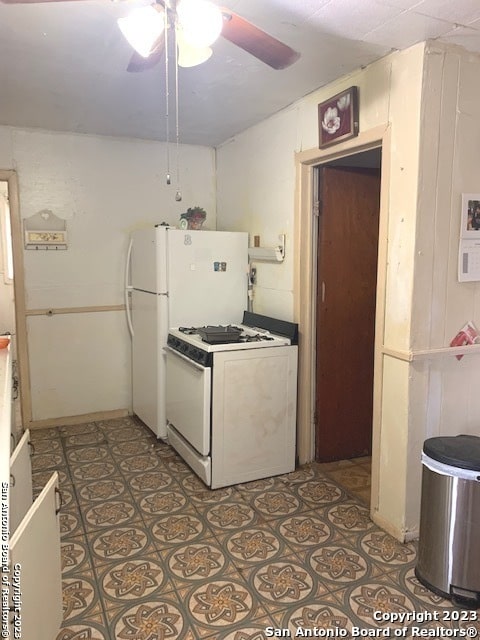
<point x="128" y="288"/>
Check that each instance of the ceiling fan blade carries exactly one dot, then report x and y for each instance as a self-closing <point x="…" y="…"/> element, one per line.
<point x="257" y="42"/>
<point x="139" y="63"/>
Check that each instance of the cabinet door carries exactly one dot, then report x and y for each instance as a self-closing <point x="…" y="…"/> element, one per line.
<point x="21" y="491"/>
<point x="36" y="568"/>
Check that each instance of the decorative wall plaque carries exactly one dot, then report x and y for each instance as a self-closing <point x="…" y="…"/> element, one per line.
<point x="338" y="118"/>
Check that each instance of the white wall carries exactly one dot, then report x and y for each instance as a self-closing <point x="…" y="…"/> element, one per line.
<point x="103" y="187"/>
<point x="431" y="98"/>
<point x="256" y="181"/>
<point x="445" y="398"/>
<point x="256" y="192"/>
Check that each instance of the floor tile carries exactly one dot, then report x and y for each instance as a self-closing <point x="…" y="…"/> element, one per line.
<point x="303" y="474"/>
<point x="251" y="630"/>
<point x="220" y="605"/>
<point x="350" y="517"/>
<point x="149" y="552"/>
<point x="161" y="617"/>
<point x="44" y="461"/>
<point x="110" y="514"/>
<point x="179" y="528"/>
<point x="338" y="563"/>
<point x="44" y="434"/>
<point x="131" y="581"/>
<point x="99" y="491"/>
<point x="283" y="582"/>
<point x="139" y="462"/>
<point x="74" y="429"/>
<point x="363" y="601"/>
<point x="354" y="477"/>
<point x="84" y="630"/>
<point x="46" y="445"/>
<point x="82" y="472"/>
<point x="74" y="555"/>
<point x="120" y="543"/>
<point x="384" y="550"/>
<point x="88" y="454"/>
<point x="319" y="493"/>
<point x="323" y="614"/>
<point x="145" y="482"/>
<point x="305" y="530"/>
<point x="84" y="439"/>
<point x="131" y="448"/>
<point x="162" y="503"/>
<point x="229" y="515"/>
<point x="254" y="545"/>
<point x="276" y="503"/>
<point x="71" y="522"/>
<point x="193" y="563"/>
<point x="81" y="599"/>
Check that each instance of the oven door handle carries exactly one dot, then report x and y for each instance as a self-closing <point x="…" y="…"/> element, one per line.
<point x="182" y="357"/>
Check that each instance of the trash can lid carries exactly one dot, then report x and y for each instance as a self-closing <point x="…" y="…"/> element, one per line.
<point x="457" y="451"/>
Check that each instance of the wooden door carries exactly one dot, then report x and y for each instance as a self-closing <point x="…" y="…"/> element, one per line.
<point x="346" y="294"/>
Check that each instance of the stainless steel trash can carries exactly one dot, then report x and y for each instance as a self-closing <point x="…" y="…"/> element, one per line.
<point x="449" y="544"/>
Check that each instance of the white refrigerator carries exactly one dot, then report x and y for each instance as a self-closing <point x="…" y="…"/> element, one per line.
<point x="177" y="278"/>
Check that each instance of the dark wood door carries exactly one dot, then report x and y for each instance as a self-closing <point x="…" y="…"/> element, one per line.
<point x="346" y="295"/>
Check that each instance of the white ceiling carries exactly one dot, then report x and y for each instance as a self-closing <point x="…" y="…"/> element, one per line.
<point x="62" y="64"/>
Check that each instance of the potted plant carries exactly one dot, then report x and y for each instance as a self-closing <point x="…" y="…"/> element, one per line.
<point x="193" y="218"/>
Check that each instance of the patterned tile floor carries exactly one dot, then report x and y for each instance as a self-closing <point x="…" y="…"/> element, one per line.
<point x="148" y="553"/>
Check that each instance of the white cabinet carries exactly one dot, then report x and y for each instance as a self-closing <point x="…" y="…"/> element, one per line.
<point x="21" y="490"/>
<point x="32" y="585"/>
<point x="36" y="568"/>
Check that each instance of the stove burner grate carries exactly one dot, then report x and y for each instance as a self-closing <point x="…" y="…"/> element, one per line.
<point x="189" y="331"/>
<point x="257" y="337"/>
<point x="220" y="334"/>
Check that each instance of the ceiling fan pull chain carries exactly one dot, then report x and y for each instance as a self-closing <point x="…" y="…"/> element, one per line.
<point x="178" y="194"/>
<point x="167" y="98"/>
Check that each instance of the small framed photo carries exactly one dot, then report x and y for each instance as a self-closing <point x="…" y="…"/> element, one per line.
<point x="470" y="215"/>
<point x="338" y="118"/>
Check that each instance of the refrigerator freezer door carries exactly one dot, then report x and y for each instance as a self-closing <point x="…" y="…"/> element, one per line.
<point x="207" y="277"/>
<point x="150" y="326"/>
<point x="148" y="262"/>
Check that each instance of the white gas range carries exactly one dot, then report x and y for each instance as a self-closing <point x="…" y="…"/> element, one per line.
<point x="231" y="398"/>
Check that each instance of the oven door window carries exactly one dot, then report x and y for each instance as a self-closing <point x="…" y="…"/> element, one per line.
<point x="188" y="400"/>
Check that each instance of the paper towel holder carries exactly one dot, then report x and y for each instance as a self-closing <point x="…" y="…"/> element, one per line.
<point x="269" y="254"/>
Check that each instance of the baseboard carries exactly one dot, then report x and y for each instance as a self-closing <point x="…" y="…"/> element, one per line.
<point x="400" y="534"/>
<point x="69" y="420"/>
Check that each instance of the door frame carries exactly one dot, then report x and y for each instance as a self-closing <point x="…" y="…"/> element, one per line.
<point x="305" y="235"/>
<point x="10" y="177"/>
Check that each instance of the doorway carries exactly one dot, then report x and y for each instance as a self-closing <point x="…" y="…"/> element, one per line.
<point x="347" y="259"/>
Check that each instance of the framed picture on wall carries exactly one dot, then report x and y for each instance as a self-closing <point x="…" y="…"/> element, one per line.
<point x="470" y="215"/>
<point x="338" y="118"/>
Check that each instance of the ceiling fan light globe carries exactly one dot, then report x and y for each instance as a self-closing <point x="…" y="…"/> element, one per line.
<point x="201" y="22"/>
<point x="189" y="56"/>
<point x="142" y="28"/>
<point x="194" y="57"/>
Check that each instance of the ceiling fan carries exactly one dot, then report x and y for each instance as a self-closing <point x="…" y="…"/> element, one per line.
<point x="186" y="17"/>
